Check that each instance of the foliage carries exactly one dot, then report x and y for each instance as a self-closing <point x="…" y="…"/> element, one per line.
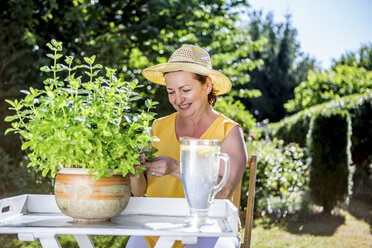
<point x="277" y="207"/>
<point x="283" y="68"/>
<point x="128" y="35"/>
<point x="321" y="87"/>
<point x="83" y="121"/>
<point x="362" y="181"/>
<point x="281" y="175"/>
<point x="27" y="181"/>
<point x="361" y="58"/>
<point x="329" y="148"/>
<point x="110" y="241"/>
<point x="236" y="111"/>
<point x="295" y="128"/>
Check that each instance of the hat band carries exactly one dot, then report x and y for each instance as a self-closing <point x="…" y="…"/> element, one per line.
<point x="187" y="62"/>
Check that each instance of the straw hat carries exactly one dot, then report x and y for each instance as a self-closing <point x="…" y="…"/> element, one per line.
<point x="193" y="59"/>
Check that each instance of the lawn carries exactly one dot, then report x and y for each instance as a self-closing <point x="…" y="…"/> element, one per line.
<point x="346" y="228"/>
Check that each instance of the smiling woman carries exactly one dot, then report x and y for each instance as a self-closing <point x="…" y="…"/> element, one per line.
<point x="192" y="86"/>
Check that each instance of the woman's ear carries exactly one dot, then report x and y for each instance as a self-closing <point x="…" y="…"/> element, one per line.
<point x="209" y="84"/>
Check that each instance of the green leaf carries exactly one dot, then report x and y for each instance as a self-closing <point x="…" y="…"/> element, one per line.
<point x="93" y="58"/>
<point x="58" y="56"/>
<point x="57" y="44"/>
<point x="148" y="103"/>
<point x="79" y="66"/>
<point x="54" y="42"/>
<point x="50" y="94"/>
<point x="106" y="133"/>
<point x="26" y="145"/>
<point x="10" y="102"/>
<point x="45" y="69"/>
<point x="88" y="60"/>
<point x="88" y="73"/>
<point x="45" y="171"/>
<point x="97" y="66"/>
<point x="50" y="46"/>
<point x="9" y="130"/>
<point x="69" y="59"/>
<point x="11" y="118"/>
<point x="25" y="92"/>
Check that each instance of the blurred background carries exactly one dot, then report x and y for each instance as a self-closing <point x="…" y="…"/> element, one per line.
<point x="301" y="74"/>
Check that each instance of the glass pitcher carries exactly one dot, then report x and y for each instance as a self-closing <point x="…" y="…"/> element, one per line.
<point x="200" y="166"/>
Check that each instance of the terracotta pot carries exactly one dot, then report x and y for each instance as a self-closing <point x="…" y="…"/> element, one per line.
<point x="85" y="200"/>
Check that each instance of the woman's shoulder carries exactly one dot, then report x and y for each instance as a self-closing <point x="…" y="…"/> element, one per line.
<point x="227" y="121"/>
<point x="226" y="124"/>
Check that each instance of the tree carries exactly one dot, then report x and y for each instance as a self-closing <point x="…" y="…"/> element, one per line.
<point x="361" y="58"/>
<point x="124" y="34"/>
<point x="284" y="67"/>
<point x="128" y="35"/>
<point x="350" y="75"/>
<point x="341" y="80"/>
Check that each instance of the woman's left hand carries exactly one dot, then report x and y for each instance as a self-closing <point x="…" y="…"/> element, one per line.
<point x="162" y="166"/>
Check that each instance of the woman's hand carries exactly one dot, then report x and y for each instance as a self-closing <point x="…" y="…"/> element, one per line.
<point x="162" y="166"/>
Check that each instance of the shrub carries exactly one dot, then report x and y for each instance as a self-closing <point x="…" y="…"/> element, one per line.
<point x="341" y="80"/>
<point x="281" y="174"/>
<point x="329" y="150"/>
<point x="295" y="128"/>
<point x="235" y="110"/>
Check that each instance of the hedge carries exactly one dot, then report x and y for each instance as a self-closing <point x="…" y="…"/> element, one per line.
<point x="295" y="128"/>
<point x="329" y="157"/>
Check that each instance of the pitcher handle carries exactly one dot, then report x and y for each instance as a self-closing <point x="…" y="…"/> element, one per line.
<point x="225" y="176"/>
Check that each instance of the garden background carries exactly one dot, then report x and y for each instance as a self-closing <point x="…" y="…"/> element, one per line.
<point x="310" y="127"/>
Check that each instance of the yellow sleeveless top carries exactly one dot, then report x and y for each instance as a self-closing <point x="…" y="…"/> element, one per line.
<point x="169" y="186"/>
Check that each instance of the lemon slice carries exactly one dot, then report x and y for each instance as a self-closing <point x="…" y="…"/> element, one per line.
<point x="201" y="150"/>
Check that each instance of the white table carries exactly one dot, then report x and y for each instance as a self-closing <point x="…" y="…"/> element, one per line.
<point x="38" y="217"/>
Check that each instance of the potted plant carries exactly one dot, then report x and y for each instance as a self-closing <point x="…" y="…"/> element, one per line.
<point x="85" y="122"/>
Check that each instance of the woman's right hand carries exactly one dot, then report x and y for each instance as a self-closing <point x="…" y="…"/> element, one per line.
<point x="162" y="166"/>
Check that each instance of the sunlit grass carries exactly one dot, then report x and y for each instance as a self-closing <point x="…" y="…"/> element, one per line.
<point x="342" y="230"/>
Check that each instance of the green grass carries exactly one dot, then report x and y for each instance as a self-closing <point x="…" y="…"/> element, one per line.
<point x="341" y="230"/>
<point x="315" y="234"/>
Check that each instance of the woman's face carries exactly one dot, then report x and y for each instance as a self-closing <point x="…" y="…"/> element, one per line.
<point x="187" y="94"/>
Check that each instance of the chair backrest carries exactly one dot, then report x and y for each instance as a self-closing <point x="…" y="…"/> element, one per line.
<point x="252" y="166"/>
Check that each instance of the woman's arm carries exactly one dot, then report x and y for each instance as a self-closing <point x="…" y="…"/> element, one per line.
<point x="234" y="146"/>
<point x="138" y="184"/>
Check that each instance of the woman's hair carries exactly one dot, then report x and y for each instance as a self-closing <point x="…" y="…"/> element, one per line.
<point x="212" y="96"/>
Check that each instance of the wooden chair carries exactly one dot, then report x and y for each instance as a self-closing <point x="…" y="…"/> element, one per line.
<point x="252" y="166"/>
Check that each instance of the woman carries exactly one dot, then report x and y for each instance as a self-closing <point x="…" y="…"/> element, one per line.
<point x="192" y="87"/>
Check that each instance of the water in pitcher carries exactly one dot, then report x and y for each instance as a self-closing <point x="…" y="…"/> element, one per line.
<point x="199" y="175"/>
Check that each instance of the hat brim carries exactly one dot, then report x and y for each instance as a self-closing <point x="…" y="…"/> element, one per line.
<point x="155" y="74"/>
